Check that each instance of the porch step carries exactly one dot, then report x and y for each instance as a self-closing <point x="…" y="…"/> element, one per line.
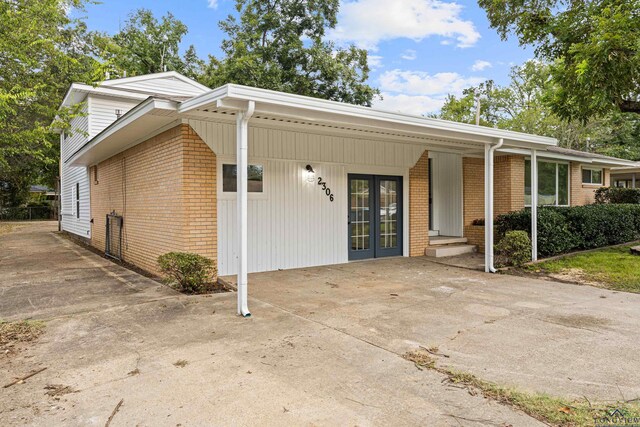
<point x="440" y="251"/>
<point x="446" y="240"/>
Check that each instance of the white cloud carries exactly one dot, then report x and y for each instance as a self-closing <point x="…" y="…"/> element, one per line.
<point x="369" y="22"/>
<point x="409" y="55"/>
<point x="213" y="4"/>
<point x="375" y="61"/>
<point x="409" y="104"/>
<point x="417" y="92"/>
<point x="421" y="83"/>
<point x="481" y="65"/>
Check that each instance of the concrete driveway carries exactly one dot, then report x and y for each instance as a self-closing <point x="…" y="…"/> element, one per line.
<point x="323" y="347"/>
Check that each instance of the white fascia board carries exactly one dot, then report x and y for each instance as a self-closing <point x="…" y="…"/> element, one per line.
<point x="174" y="74"/>
<point x="627" y="169"/>
<point x="558" y="156"/>
<point x="139" y="111"/>
<point x="546" y="155"/>
<point x="88" y="89"/>
<point x="266" y="100"/>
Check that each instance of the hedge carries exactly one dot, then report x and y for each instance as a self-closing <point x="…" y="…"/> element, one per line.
<point x="618" y="195"/>
<point x="562" y="230"/>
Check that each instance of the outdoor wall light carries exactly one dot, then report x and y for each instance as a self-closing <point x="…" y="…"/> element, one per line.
<point x="311" y="174"/>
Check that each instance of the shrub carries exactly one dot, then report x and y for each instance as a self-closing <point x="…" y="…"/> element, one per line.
<point x="561" y="230"/>
<point x="513" y="249"/>
<point x="618" y="195"/>
<point x="554" y="234"/>
<point x="187" y="272"/>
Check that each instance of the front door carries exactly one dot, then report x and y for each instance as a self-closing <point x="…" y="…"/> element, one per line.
<point x="375" y="216"/>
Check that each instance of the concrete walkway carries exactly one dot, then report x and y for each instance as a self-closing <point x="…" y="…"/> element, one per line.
<point x="323" y="347"/>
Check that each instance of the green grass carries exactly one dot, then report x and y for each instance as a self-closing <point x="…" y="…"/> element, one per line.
<point x="612" y="268"/>
<point x="551" y="410"/>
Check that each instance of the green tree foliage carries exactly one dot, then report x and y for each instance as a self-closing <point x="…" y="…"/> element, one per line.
<point x="278" y="44"/>
<point x="522" y="106"/>
<point x="593" y="47"/>
<point x="147" y="45"/>
<point x="42" y="51"/>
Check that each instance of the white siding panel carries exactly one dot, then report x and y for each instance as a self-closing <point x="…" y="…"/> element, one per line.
<point x="69" y="176"/>
<point x="447" y="193"/>
<point x="103" y="112"/>
<point x="164" y="85"/>
<point x="294" y="224"/>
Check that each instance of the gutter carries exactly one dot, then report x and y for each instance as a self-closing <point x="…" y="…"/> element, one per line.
<point x="488" y="205"/>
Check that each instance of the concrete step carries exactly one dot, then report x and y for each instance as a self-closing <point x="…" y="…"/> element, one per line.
<point x="446" y="240"/>
<point x="440" y="251"/>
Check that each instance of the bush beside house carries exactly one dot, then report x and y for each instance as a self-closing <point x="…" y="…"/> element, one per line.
<point x="561" y="230"/>
<point x="187" y="272"/>
<point x="618" y="195"/>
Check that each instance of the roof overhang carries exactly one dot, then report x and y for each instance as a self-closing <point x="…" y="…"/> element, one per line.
<point x="595" y="161"/>
<point x="149" y="117"/>
<point x="303" y="109"/>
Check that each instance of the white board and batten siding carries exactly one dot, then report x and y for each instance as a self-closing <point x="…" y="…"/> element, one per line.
<point x="446" y="174"/>
<point x="293" y="223"/>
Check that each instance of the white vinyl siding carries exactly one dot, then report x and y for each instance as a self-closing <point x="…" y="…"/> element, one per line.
<point x="103" y="111"/>
<point x="164" y="85"/>
<point x="294" y="224"/>
<point x="73" y="178"/>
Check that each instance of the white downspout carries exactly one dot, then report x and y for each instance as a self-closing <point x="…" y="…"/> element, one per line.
<point x="489" y="150"/>
<point x="534" y="205"/>
<point x="242" y="154"/>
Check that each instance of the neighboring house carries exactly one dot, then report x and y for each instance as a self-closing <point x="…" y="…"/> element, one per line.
<point x="41" y="193"/>
<point x="325" y="182"/>
<point x="626" y="177"/>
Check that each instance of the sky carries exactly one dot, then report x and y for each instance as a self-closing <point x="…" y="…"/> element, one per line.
<point x="419" y="50"/>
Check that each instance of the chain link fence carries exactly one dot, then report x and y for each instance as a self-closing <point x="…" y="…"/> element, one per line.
<point x="33" y="213"/>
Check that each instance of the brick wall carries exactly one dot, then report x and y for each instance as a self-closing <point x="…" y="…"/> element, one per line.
<point x="165" y="188"/>
<point x="508" y="187"/>
<point x="584" y="194"/>
<point x="419" y="206"/>
<point x="508" y="191"/>
<point x="473" y="199"/>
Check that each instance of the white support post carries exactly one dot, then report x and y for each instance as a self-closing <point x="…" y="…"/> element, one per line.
<point x="633" y="181"/>
<point x="488" y="214"/>
<point x="488" y="205"/>
<point x="242" y="155"/>
<point x="534" y="205"/>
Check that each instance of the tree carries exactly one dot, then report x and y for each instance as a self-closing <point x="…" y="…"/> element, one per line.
<point x="278" y="44"/>
<point x="592" y="47"/>
<point x="522" y="107"/>
<point x="37" y="65"/>
<point x="146" y="45"/>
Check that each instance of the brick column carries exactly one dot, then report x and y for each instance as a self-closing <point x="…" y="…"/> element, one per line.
<point x="419" y="206"/>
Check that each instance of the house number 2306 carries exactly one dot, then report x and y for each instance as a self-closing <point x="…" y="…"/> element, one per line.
<point x="326" y="189"/>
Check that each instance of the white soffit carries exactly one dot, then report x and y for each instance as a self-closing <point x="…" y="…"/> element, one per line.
<point x="312" y="110"/>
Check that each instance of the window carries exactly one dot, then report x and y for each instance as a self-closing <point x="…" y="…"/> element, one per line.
<point x="591" y="176"/>
<point x="77" y="200"/>
<point x="230" y="176"/>
<point x="553" y="183"/>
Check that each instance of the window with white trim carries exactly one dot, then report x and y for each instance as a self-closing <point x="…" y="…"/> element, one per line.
<point x="553" y="183"/>
<point x="592" y="176"/>
<point x="255" y="178"/>
<point x="77" y="201"/>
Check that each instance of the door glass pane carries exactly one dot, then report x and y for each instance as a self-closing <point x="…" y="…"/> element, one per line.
<point x="388" y="213"/>
<point x="360" y="215"/>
